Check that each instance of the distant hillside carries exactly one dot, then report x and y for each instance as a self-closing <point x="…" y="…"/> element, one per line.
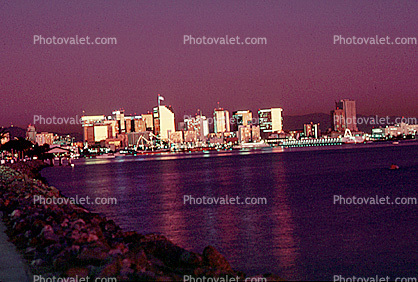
<point x="77" y="136"/>
<point x="297" y="122"/>
<point x="16" y="132"/>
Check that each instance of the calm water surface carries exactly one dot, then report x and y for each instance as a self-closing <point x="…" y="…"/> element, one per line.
<point x="299" y="234"/>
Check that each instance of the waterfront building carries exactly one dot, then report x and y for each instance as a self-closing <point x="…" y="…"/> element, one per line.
<point x="311" y="130"/>
<point x="44" y="138"/>
<point x="378" y="133"/>
<point x="66" y="140"/>
<point x="31" y="133"/>
<point x="176" y="137"/>
<point x="205" y="128"/>
<point x="338" y="120"/>
<point x="248" y="133"/>
<point x="221" y="120"/>
<point x="99" y="133"/>
<point x="255" y="133"/>
<point x="119" y="117"/>
<point x="244" y="133"/>
<point x="6" y="138"/>
<point x="270" y="121"/>
<point x="129" y="127"/>
<point x="295" y="134"/>
<point x="190" y="136"/>
<point x="149" y="121"/>
<point x="344" y="116"/>
<point x="115" y="143"/>
<point x="216" y="138"/>
<point x="199" y="124"/>
<point x="401" y="129"/>
<point x="230" y="137"/>
<point x="88" y="123"/>
<point x="135" y="124"/>
<point x="164" y="121"/>
<point x="241" y="118"/>
<point x="98" y="128"/>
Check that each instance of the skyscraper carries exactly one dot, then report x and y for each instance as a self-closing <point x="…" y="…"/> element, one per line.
<point x="119" y="116"/>
<point x="98" y="128"/>
<point x="344" y="116"/>
<point x="149" y="123"/>
<point x="31" y="133"/>
<point x="270" y="121"/>
<point x="164" y="121"/>
<point x="199" y="124"/>
<point x="241" y="118"/>
<point x="221" y="120"/>
<point x="135" y="124"/>
<point x="338" y="120"/>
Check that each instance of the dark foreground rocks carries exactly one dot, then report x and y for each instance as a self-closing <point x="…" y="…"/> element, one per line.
<point x="68" y="240"/>
<point x="31" y="168"/>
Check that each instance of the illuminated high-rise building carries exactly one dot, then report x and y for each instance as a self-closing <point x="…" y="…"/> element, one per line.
<point x="270" y="121"/>
<point x="338" y="120"/>
<point x="149" y="121"/>
<point x="344" y="116"/>
<point x="190" y="136"/>
<point x="311" y="130"/>
<point x="241" y="118"/>
<point x="44" y="138"/>
<point x="255" y="133"/>
<point x="244" y="133"/>
<point x="176" y="137"/>
<point x="135" y="124"/>
<point x="98" y="128"/>
<point x="221" y="120"/>
<point x="31" y="133"/>
<point x="164" y="121"/>
<point x="119" y="116"/>
<point x="199" y="124"/>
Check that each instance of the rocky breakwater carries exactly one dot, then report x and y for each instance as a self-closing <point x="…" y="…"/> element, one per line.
<point x="68" y="240"/>
<point x="31" y="168"/>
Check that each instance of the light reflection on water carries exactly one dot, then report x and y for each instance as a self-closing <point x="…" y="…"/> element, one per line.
<point x="299" y="234"/>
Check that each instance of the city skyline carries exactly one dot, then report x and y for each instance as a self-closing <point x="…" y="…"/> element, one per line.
<point x="299" y="69"/>
<point x="269" y="140"/>
<point x="197" y="110"/>
<point x="75" y="120"/>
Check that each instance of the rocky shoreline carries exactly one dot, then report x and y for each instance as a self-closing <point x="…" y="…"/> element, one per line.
<point x="68" y="240"/>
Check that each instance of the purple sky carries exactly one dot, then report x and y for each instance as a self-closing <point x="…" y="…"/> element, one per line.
<point x="300" y="69"/>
